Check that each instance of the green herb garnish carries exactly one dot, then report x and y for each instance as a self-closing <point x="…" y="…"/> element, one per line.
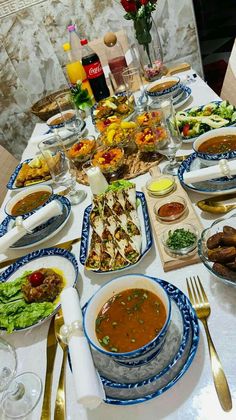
<point x="180" y="238"/>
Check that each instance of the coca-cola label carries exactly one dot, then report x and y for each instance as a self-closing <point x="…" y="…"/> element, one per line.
<point x="93" y="70"/>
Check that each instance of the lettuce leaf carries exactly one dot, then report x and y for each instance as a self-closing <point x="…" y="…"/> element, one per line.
<point x="10" y="291"/>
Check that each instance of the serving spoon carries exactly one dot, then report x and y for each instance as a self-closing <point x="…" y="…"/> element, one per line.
<point x="218" y="204"/>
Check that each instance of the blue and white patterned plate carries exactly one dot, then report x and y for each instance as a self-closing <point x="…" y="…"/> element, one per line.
<point x="181" y="97"/>
<point x="157" y="384"/>
<point x="143" y="383"/>
<point x="46" y="258"/>
<point x="43" y="232"/>
<point x="145" y="230"/>
<point x="212" y="186"/>
<point x="11" y="185"/>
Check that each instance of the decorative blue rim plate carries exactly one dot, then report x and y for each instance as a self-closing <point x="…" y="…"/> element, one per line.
<point x="212" y="186"/>
<point x="56" y="254"/>
<point x="146" y="240"/>
<point x="11" y="183"/>
<point x="199" y="108"/>
<point x="186" y="92"/>
<point x="50" y="142"/>
<point x="185" y="355"/>
<point x="190" y="318"/>
<point x="43" y="232"/>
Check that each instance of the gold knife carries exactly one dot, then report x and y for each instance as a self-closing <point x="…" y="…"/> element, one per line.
<point x="64" y="245"/>
<point x="51" y="353"/>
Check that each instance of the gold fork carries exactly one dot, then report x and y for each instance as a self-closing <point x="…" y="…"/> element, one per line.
<point x="201" y="305"/>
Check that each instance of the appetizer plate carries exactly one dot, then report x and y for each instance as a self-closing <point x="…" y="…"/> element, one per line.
<point x="212" y="186"/>
<point x="127" y="386"/>
<point x="11" y="185"/>
<point x="145" y="231"/>
<point x="44" y="258"/>
<point x="43" y="232"/>
<point x="188" y="113"/>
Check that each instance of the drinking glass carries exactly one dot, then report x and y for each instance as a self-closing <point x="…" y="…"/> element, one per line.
<point x="117" y="82"/>
<point x="20" y="393"/>
<point x="134" y="86"/>
<point x="172" y="140"/>
<point x="62" y="169"/>
<point x="71" y="116"/>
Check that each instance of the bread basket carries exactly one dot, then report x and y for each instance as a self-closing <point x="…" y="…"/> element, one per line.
<point x="47" y="106"/>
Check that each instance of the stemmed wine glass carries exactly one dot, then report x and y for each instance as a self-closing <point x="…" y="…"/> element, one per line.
<point x="20" y="394"/>
<point x="172" y="140"/>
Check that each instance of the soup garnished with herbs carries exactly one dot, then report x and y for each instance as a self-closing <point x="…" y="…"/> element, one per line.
<point x="219" y="144"/>
<point x="162" y="86"/>
<point x="30" y="202"/>
<point x="129" y="320"/>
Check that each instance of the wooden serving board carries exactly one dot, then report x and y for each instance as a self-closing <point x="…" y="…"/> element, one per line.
<point x="135" y="164"/>
<point x="170" y="262"/>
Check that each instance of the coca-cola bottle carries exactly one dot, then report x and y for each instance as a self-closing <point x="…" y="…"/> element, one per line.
<point x="94" y="71"/>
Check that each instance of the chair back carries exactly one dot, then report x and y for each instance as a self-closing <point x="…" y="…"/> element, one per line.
<point x="7" y="164"/>
<point x="228" y="91"/>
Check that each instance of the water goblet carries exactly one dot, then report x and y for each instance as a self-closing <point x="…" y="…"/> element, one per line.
<point x="70" y="115"/>
<point x="20" y="394"/>
<point x="62" y="169"/>
<point x="134" y="86"/>
<point x="168" y="144"/>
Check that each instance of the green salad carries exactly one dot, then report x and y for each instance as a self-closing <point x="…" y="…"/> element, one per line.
<point x="198" y="120"/>
<point x="15" y="312"/>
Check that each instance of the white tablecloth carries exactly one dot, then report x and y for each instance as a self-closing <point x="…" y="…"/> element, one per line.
<point x="194" y="396"/>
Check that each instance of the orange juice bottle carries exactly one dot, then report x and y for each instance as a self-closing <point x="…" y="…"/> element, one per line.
<point x="75" y="70"/>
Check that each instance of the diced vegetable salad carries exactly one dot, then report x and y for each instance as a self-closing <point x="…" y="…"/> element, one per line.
<point x="199" y="120"/>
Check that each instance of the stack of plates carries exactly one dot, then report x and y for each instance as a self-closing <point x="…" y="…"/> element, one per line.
<point x="132" y="385"/>
<point x="180" y="97"/>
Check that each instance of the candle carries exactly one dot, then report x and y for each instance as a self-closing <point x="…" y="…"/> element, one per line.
<point x="97" y="180"/>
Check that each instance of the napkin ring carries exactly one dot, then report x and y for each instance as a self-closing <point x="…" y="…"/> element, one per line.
<point x="68" y="331"/>
<point x="224" y="168"/>
<point x="19" y="223"/>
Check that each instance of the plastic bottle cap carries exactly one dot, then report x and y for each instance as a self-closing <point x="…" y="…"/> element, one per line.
<point x="71" y="28"/>
<point x="84" y="41"/>
<point x="66" y="46"/>
<point x="110" y="39"/>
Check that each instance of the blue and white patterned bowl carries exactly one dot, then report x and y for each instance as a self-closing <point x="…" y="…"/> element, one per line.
<point x="22" y="194"/>
<point x="209" y="159"/>
<point x="145" y="353"/>
<point x="168" y="91"/>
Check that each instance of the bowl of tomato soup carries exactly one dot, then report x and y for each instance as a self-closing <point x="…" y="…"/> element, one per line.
<point x="128" y="318"/>
<point x="163" y="86"/>
<point x="27" y="201"/>
<point x="215" y="145"/>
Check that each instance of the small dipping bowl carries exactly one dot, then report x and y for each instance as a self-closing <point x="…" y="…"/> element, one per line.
<point x="170" y="209"/>
<point x="161" y="185"/>
<point x="184" y="250"/>
<point x="21" y="195"/>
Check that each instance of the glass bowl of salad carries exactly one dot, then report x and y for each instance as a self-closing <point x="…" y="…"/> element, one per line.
<point x="118" y="134"/>
<point x="109" y="159"/>
<point x="180" y="240"/>
<point x="83" y="150"/>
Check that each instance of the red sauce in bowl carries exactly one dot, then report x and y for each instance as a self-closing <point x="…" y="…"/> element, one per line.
<point x="171" y="209"/>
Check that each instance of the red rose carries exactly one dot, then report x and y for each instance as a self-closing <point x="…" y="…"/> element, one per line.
<point x="144" y="2"/>
<point x="129" y="6"/>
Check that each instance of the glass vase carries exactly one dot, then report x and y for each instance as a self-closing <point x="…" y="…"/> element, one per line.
<point x="149" y="48"/>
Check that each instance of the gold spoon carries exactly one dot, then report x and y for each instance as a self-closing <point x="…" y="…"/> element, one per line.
<point x="60" y="405"/>
<point x="218" y="204"/>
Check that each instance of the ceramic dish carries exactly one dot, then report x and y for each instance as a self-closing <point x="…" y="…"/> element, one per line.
<point x="184" y="250"/>
<point x="11" y="185"/>
<point x="48" y="257"/>
<point x="141" y="354"/>
<point x="163" y="91"/>
<point x="59" y="116"/>
<point x="209" y="159"/>
<point x="22" y="194"/>
<point x="145" y="229"/>
<point x="212" y="108"/>
<point x="43" y="232"/>
<point x="216" y="227"/>
<point x="181" y="98"/>
<point x="127" y="386"/>
<point x="213" y="186"/>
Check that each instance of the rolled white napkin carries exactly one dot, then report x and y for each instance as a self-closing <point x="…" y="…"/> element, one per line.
<point x="88" y="385"/>
<point x="63" y="133"/>
<point x="224" y="168"/>
<point x="41" y="216"/>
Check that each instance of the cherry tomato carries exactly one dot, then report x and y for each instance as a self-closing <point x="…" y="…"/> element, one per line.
<point x="36" y="278"/>
<point x="78" y="146"/>
<point x="186" y="128"/>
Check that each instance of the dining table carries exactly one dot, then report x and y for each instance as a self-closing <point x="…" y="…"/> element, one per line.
<point x="193" y="396"/>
